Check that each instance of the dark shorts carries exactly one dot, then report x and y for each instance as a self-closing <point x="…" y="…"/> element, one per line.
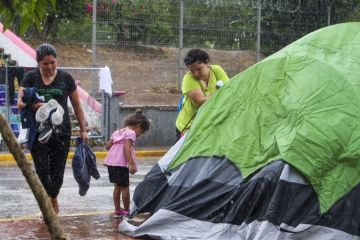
<point x="119" y="175"/>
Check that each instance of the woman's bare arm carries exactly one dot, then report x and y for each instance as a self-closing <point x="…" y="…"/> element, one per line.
<point x="197" y="96"/>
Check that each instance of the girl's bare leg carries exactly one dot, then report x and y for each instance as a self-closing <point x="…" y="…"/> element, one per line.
<point x="116" y="196"/>
<point x="125" y="192"/>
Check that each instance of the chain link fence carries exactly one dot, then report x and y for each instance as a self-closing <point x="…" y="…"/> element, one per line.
<point x="95" y="103"/>
<point x="144" y="41"/>
<point x="158" y="29"/>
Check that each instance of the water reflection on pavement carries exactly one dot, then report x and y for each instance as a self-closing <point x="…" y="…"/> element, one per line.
<point x="76" y="227"/>
<point x="88" y="217"/>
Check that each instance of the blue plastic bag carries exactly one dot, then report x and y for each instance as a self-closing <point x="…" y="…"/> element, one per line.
<point x="84" y="166"/>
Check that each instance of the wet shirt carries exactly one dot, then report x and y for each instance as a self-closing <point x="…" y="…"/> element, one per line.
<point x="116" y="154"/>
<point x="59" y="89"/>
<point x="190" y="83"/>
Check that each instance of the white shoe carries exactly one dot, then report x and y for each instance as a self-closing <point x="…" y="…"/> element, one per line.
<point x="57" y="116"/>
<point x="42" y="114"/>
<point x="46" y="131"/>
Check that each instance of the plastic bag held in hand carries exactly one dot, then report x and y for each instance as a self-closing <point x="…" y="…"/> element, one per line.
<point x="84" y="166"/>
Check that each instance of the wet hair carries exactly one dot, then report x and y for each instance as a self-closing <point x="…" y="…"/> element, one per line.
<point x="138" y="118"/>
<point x="196" y="55"/>
<point x="45" y="50"/>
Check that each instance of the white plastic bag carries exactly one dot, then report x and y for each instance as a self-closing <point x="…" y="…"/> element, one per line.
<point x="23" y="135"/>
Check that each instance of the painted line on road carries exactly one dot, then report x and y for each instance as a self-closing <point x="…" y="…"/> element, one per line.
<point x="7" y="158"/>
<point x="34" y="217"/>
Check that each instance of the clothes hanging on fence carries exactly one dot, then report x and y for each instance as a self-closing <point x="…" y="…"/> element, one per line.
<point x="105" y="80"/>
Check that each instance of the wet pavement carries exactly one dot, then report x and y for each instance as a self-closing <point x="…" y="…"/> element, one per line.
<point x="88" y="217"/>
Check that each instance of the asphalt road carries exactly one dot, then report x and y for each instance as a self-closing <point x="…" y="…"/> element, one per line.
<point x="17" y="200"/>
<point x="87" y="217"/>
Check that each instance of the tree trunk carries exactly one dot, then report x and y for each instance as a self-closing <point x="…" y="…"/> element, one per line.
<point x="33" y="180"/>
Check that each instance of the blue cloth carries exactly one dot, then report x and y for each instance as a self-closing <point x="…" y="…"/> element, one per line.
<point x="84" y="166"/>
<point x="180" y="104"/>
<point x="27" y="116"/>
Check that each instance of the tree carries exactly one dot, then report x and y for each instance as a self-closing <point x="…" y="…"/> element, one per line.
<point x="21" y="14"/>
<point x="65" y="12"/>
<point x="138" y="22"/>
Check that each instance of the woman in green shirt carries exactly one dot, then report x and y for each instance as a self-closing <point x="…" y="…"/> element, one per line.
<point x="198" y="84"/>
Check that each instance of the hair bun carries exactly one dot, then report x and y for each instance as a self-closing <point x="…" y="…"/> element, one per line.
<point x="139" y="111"/>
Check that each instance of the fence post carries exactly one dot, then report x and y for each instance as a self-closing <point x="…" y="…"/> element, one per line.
<point x="258" y="31"/>
<point x="7" y="94"/>
<point x="93" y="47"/>
<point x="4" y="146"/>
<point x="181" y="36"/>
<point x="106" y="115"/>
<point x="328" y="15"/>
<point x="94" y="34"/>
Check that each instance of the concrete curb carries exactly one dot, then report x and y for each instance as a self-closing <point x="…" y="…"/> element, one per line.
<point x="8" y="158"/>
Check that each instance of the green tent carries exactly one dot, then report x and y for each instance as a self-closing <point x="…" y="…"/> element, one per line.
<point x="301" y="105"/>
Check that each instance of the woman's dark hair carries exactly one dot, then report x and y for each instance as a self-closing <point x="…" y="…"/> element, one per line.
<point x="138" y="118"/>
<point x="196" y="55"/>
<point x="45" y="50"/>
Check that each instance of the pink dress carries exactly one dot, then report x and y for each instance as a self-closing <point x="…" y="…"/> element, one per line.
<point x="116" y="155"/>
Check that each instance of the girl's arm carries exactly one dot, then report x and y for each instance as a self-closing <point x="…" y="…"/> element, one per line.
<point x="127" y="151"/>
<point x="109" y="144"/>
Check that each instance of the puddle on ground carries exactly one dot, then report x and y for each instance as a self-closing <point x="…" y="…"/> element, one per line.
<point x="77" y="227"/>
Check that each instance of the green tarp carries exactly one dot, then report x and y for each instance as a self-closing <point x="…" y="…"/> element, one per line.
<point x="301" y="104"/>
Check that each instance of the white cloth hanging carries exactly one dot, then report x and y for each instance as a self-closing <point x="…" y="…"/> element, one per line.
<point x="105" y="80"/>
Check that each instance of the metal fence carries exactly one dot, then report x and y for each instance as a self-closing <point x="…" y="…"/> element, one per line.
<point x="94" y="101"/>
<point x="167" y="28"/>
<point x="145" y="41"/>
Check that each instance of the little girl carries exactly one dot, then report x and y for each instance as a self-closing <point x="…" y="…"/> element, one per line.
<point x="121" y="161"/>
